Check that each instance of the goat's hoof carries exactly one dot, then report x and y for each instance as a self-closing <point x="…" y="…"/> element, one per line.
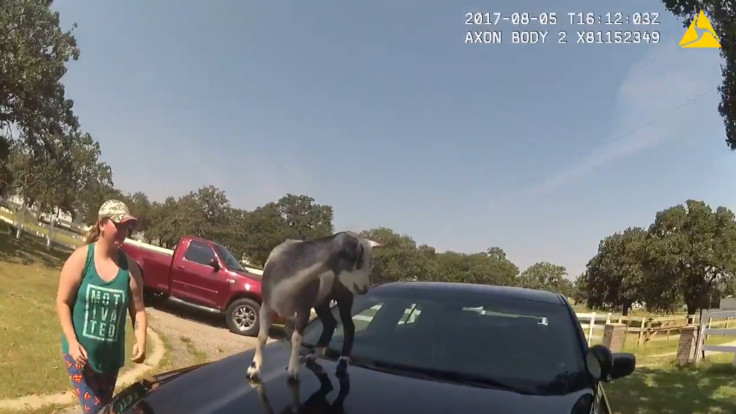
<point x="342" y="367"/>
<point x="310" y="362"/>
<point x="293" y="373"/>
<point x="292" y="378"/>
<point x="252" y="372"/>
<point x="316" y="368"/>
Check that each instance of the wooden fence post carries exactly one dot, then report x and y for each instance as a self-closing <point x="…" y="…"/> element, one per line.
<point x="687" y="348"/>
<point x="591" y="325"/>
<point x="699" y="353"/>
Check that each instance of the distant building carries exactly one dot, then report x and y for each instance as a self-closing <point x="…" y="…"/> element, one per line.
<point x="728" y="303"/>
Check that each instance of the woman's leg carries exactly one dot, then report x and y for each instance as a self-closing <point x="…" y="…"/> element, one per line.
<point x="76" y="376"/>
<point x="102" y="386"/>
<point x="92" y="389"/>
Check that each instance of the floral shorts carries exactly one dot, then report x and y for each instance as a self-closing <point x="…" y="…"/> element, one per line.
<point x="93" y="389"/>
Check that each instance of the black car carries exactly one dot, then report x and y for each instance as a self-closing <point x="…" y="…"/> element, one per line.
<point x="420" y="347"/>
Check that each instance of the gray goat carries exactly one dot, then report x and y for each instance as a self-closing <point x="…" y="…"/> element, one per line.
<point x="301" y="275"/>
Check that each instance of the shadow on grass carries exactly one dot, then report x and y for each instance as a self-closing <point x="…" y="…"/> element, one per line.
<point x="30" y="249"/>
<point x="709" y="388"/>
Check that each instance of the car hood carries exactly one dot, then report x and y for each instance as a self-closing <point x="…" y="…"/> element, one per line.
<point x="222" y="387"/>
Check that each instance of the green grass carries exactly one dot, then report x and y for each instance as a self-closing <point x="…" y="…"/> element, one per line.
<point x="46" y="409"/>
<point x="199" y="356"/>
<point x="707" y="389"/>
<point x="31" y="360"/>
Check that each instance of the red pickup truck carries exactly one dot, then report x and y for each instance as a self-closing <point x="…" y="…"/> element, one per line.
<point x="204" y="275"/>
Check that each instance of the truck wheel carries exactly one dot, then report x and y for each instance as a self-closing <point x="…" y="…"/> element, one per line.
<point x="154" y="299"/>
<point x="242" y="317"/>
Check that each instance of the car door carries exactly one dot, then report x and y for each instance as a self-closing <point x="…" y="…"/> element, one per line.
<point x="198" y="280"/>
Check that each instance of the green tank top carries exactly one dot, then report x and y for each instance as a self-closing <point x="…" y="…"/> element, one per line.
<point x="99" y="315"/>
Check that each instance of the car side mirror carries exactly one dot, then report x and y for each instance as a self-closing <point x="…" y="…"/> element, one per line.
<point x="605" y="366"/>
<point x="624" y="364"/>
<point x="215" y="264"/>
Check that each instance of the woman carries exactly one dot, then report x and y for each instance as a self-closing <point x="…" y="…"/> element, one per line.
<point x="98" y="284"/>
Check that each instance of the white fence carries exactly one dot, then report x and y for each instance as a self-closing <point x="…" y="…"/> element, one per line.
<point x="705" y="330"/>
<point x="591" y="329"/>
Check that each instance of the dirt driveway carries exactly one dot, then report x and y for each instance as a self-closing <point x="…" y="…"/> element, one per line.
<point x="195" y="336"/>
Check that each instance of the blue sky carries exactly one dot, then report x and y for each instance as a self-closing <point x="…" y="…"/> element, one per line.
<point x="380" y="110"/>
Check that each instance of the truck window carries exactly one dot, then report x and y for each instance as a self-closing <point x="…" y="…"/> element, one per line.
<point x="199" y="252"/>
<point x="230" y="260"/>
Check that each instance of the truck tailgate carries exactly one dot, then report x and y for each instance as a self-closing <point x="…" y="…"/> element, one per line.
<point x="155" y="265"/>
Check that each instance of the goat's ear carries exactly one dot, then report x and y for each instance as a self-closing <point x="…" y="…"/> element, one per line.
<point x="352" y="251"/>
<point x="360" y="259"/>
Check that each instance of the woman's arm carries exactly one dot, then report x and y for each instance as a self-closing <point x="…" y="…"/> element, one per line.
<point x="71" y="277"/>
<point x="137" y="307"/>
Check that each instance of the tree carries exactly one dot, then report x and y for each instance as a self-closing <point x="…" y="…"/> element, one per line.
<point x="6" y="174"/>
<point x="545" y="276"/>
<point x="85" y="175"/>
<point x="59" y="180"/>
<point x="496" y="253"/>
<point x="695" y="251"/>
<point x="231" y="234"/>
<point x="141" y="208"/>
<point x="722" y="15"/>
<point x="399" y="258"/>
<point x="93" y="194"/>
<point x="33" y="56"/>
<point x="504" y="270"/>
<point x="263" y="229"/>
<point x="580" y="288"/>
<point x="291" y="217"/>
<point x="205" y="213"/>
<point x="566" y="288"/>
<point x="490" y="267"/>
<point x="616" y="274"/>
<point x="164" y="229"/>
<point x="304" y="218"/>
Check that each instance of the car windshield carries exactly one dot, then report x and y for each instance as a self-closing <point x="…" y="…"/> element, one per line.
<point x="527" y="345"/>
<point x="230" y="260"/>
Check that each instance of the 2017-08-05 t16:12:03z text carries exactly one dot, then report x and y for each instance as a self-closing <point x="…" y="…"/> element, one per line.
<point x="551" y="18"/>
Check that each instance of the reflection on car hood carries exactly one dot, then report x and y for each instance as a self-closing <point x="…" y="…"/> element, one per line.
<point x="222" y="387"/>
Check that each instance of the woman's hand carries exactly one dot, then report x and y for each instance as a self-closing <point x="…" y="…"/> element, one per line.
<point x="78" y="353"/>
<point x="139" y="353"/>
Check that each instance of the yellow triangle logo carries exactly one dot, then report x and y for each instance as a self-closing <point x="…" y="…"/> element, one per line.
<point x="700" y="34"/>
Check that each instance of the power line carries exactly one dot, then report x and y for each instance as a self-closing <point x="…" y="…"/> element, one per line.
<point x="664" y="114"/>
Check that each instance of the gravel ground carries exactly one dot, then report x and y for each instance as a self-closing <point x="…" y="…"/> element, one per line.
<point x="195" y="336"/>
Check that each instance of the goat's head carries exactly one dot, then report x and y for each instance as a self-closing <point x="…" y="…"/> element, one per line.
<point x="357" y="254"/>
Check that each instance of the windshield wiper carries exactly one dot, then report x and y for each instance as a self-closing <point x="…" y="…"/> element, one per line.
<point x="438" y="374"/>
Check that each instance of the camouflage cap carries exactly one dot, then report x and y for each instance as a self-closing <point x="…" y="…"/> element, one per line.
<point x="115" y="210"/>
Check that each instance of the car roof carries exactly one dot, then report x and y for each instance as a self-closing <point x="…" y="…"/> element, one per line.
<point x="420" y="288"/>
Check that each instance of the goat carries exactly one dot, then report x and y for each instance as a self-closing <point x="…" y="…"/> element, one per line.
<point x="301" y="275"/>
